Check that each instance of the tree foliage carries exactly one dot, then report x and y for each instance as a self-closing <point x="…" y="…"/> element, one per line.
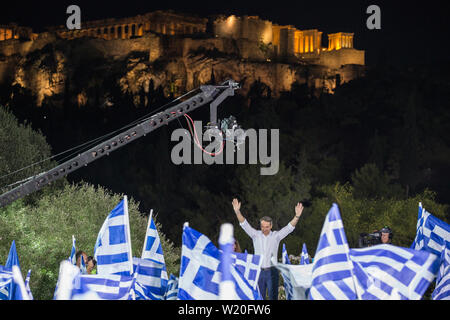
<point x="21" y="146"/>
<point x="43" y="232"/>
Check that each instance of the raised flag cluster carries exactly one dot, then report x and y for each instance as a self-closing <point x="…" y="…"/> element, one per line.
<point x="378" y="272"/>
<point x="200" y="270"/>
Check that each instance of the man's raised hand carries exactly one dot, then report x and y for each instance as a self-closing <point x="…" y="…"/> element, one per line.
<point x="236" y="205"/>
<point x="298" y="209"/>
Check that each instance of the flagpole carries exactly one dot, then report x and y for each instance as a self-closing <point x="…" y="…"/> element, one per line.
<point x="125" y="208"/>
<point x="148" y="227"/>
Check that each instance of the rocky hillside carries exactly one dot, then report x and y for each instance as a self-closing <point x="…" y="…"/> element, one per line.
<point x="89" y="71"/>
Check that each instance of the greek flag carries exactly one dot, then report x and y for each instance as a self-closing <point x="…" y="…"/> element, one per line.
<point x="200" y="274"/>
<point x="304" y="257"/>
<point x="13" y="258"/>
<point x="152" y="246"/>
<point x="113" y="247"/>
<point x="296" y="279"/>
<point x="27" y="285"/>
<point x="389" y="272"/>
<point x="285" y="256"/>
<point x="151" y="279"/>
<point x="379" y="272"/>
<point x="432" y="234"/>
<point x="332" y="273"/>
<point x="12" y="286"/>
<point x="442" y="289"/>
<point x="5" y="282"/>
<point x="73" y="258"/>
<point x="248" y="265"/>
<point x="76" y="286"/>
<point x="172" y="288"/>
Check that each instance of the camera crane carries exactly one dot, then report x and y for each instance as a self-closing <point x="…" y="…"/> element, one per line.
<point x="212" y="94"/>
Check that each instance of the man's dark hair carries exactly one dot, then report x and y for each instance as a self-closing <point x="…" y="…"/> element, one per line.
<point x="266" y="219"/>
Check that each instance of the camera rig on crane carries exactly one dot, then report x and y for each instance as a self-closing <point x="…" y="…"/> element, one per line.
<point x="212" y="94"/>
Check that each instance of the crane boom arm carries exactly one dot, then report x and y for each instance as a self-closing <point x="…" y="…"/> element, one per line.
<point x="209" y="94"/>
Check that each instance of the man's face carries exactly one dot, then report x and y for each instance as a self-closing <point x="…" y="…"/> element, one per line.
<point x="384" y="237"/>
<point x="266" y="227"/>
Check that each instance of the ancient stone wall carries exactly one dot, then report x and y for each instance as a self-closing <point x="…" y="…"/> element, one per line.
<point x="336" y="58"/>
<point x="246" y="27"/>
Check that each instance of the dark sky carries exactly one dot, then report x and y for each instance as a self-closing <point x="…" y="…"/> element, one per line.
<point x="411" y="32"/>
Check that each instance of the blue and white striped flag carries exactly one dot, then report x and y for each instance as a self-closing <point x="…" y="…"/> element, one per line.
<point x="12" y="286"/>
<point x="68" y="279"/>
<point x="153" y="251"/>
<point x="199" y="270"/>
<point x="152" y="245"/>
<point x="113" y="247"/>
<point x="332" y="273"/>
<point x="442" y="289"/>
<point x="285" y="256"/>
<point x="151" y="279"/>
<point x="296" y="279"/>
<point x="304" y="257"/>
<point x="27" y="285"/>
<point x="432" y="234"/>
<point x="19" y="291"/>
<point x="77" y="286"/>
<point x="107" y="287"/>
<point x="172" y="288"/>
<point x="83" y="268"/>
<point x="73" y="252"/>
<point x="392" y="272"/>
<point x="13" y="258"/>
<point x="249" y="265"/>
<point x="5" y="282"/>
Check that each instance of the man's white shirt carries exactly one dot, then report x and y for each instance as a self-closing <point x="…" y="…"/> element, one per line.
<point x="267" y="246"/>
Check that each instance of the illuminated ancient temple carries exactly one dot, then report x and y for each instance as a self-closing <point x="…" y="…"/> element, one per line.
<point x="162" y="22"/>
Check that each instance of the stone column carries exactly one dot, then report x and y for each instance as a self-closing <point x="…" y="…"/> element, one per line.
<point x="115" y="36"/>
<point x="130" y="31"/>
<point x="301" y="45"/>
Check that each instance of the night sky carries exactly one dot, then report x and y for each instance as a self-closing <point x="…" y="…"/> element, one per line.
<point x="411" y="32"/>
